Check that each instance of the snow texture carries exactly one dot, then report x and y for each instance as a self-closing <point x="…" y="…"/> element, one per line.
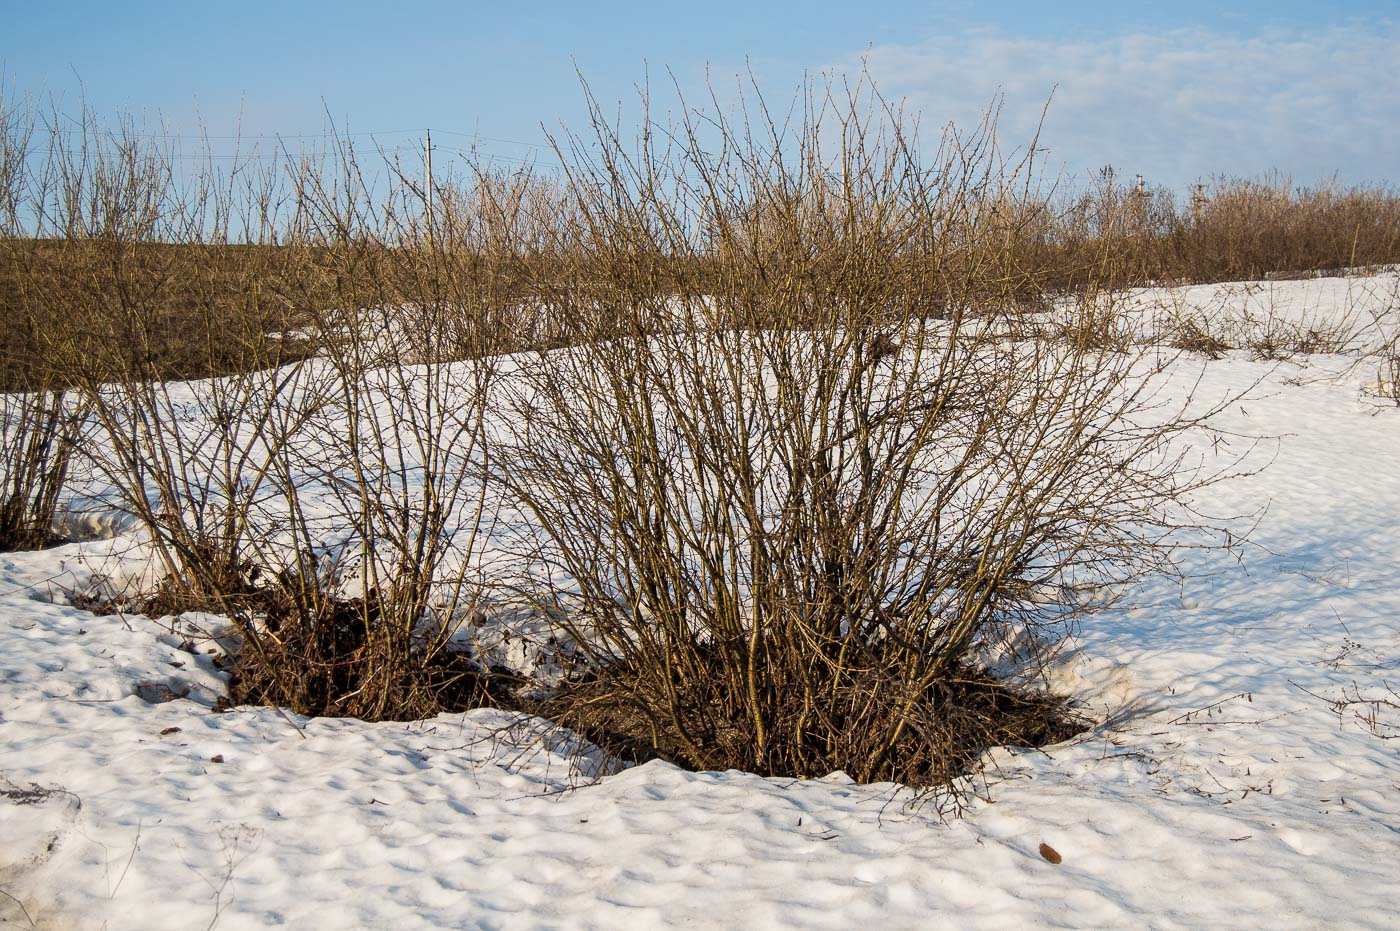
<point x="1225" y="784"/>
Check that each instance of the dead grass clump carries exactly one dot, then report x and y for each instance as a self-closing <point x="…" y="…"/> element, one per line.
<point x="1274" y="339"/>
<point x="321" y="654"/>
<point x="1195" y="335"/>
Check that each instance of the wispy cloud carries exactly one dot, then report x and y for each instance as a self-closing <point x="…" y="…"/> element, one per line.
<point x="1174" y="107"/>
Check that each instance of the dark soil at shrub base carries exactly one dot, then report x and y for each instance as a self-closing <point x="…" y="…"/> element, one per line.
<point x="336" y="659"/>
<point x="32" y="540"/>
<point x="346" y="661"/>
<point x="443" y="682"/>
<point x="973" y="711"/>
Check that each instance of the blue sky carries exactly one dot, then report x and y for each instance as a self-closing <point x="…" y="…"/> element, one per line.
<point x="1177" y="92"/>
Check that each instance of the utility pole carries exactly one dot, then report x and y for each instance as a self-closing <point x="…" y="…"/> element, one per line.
<point x="428" y="163"/>
<point x="1140" y="198"/>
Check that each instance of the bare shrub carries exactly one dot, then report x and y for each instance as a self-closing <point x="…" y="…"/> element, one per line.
<point x="37" y="435"/>
<point x="38" y="419"/>
<point x="783" y="503"/>
<point x="1390" y="377"/>
<point x="396" y="451"/>
<point x="1388" y="371"/>
<point x="318" y="489"/>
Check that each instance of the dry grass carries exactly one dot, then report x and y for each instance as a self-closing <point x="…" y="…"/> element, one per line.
<point x="1118" y="235"/>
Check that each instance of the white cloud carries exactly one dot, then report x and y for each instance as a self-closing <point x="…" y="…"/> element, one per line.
<point x="1175" y="107"/>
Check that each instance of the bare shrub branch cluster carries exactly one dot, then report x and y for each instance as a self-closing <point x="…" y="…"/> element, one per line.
<point x="794" y="486"/>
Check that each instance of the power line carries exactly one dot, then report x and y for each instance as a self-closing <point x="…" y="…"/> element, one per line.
<point x="328" y="134"/>
<point x="491" y="156"/>
<point x="537" y="151"/>
<point x="274" y="136"/>
<point x="528" y="145"/>
<point x="545" y="152"/>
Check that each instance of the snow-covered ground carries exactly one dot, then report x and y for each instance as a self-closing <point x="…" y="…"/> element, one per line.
<point x="1223" y="786"/>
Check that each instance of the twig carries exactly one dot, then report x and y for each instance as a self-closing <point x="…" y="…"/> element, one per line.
<point x="135" y="845"/>
<point x="17" y="902"/>
<point x="1216" y="704"/>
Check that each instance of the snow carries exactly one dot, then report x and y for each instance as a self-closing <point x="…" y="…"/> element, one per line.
<point x="1351" y="313"/>
<point x="1222" y="786"/>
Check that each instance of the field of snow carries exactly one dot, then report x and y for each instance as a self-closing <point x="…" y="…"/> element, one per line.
<point x="1226" y="783"/>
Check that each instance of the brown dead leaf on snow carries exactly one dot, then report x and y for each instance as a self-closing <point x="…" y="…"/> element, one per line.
<point x="1050" y="853"/>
